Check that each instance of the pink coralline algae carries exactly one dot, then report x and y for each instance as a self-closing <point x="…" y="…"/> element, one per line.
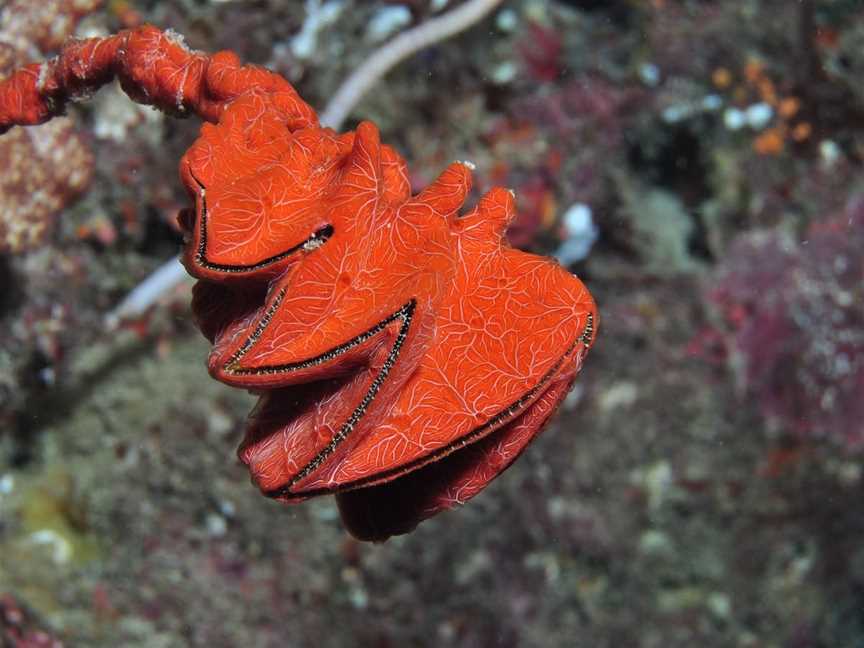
<point x="31" y="194"/>
<point x="46" y="168"/>
<point x="797" y="325"/>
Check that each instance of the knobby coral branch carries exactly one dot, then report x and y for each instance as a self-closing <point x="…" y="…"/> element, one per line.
<point x="155" y="286"/>
<point x="405" y="353"/>
<point x="404" y="45"/>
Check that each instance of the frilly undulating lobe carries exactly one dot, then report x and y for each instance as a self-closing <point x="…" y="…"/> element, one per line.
<point x="406" y="354"/>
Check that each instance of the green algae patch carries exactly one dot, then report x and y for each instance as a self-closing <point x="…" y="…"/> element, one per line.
<point x="46" y="535"/>
<point x="54" y="519"/>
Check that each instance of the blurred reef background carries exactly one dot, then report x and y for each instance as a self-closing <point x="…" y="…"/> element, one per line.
<point x="698" y="164"/>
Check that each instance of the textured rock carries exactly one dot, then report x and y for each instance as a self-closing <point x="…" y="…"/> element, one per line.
<point x="47" y="168"/>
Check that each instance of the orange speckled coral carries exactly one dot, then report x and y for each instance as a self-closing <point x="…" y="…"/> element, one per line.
<point x="42" y="169"/>
<point x="405" y="353"/>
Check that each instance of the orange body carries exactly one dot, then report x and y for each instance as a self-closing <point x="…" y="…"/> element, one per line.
<point x="406" y="355"/>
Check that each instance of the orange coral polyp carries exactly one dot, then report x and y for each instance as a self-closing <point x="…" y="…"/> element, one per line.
<point x="406" y="354"/>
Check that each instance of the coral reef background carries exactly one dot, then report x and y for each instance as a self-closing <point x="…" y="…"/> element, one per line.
<point x="698" y="164"/>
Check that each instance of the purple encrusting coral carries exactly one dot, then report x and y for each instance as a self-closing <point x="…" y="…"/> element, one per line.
<point x="797" y="324"/>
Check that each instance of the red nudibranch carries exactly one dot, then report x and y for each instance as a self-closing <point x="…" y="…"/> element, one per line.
<point x="405" y="354"/>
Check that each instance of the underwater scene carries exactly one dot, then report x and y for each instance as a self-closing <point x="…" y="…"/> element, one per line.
<point x="469" y="323"/>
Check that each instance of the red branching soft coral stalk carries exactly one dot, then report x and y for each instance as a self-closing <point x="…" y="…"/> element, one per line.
<point x="406" y="355"/>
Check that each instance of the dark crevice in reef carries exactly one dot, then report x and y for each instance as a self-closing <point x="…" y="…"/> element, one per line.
<point x="676" y="162"/>
<point x="11" y="293"/>
<point x="619" y="12"/>
<point x="160" y="238"/>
